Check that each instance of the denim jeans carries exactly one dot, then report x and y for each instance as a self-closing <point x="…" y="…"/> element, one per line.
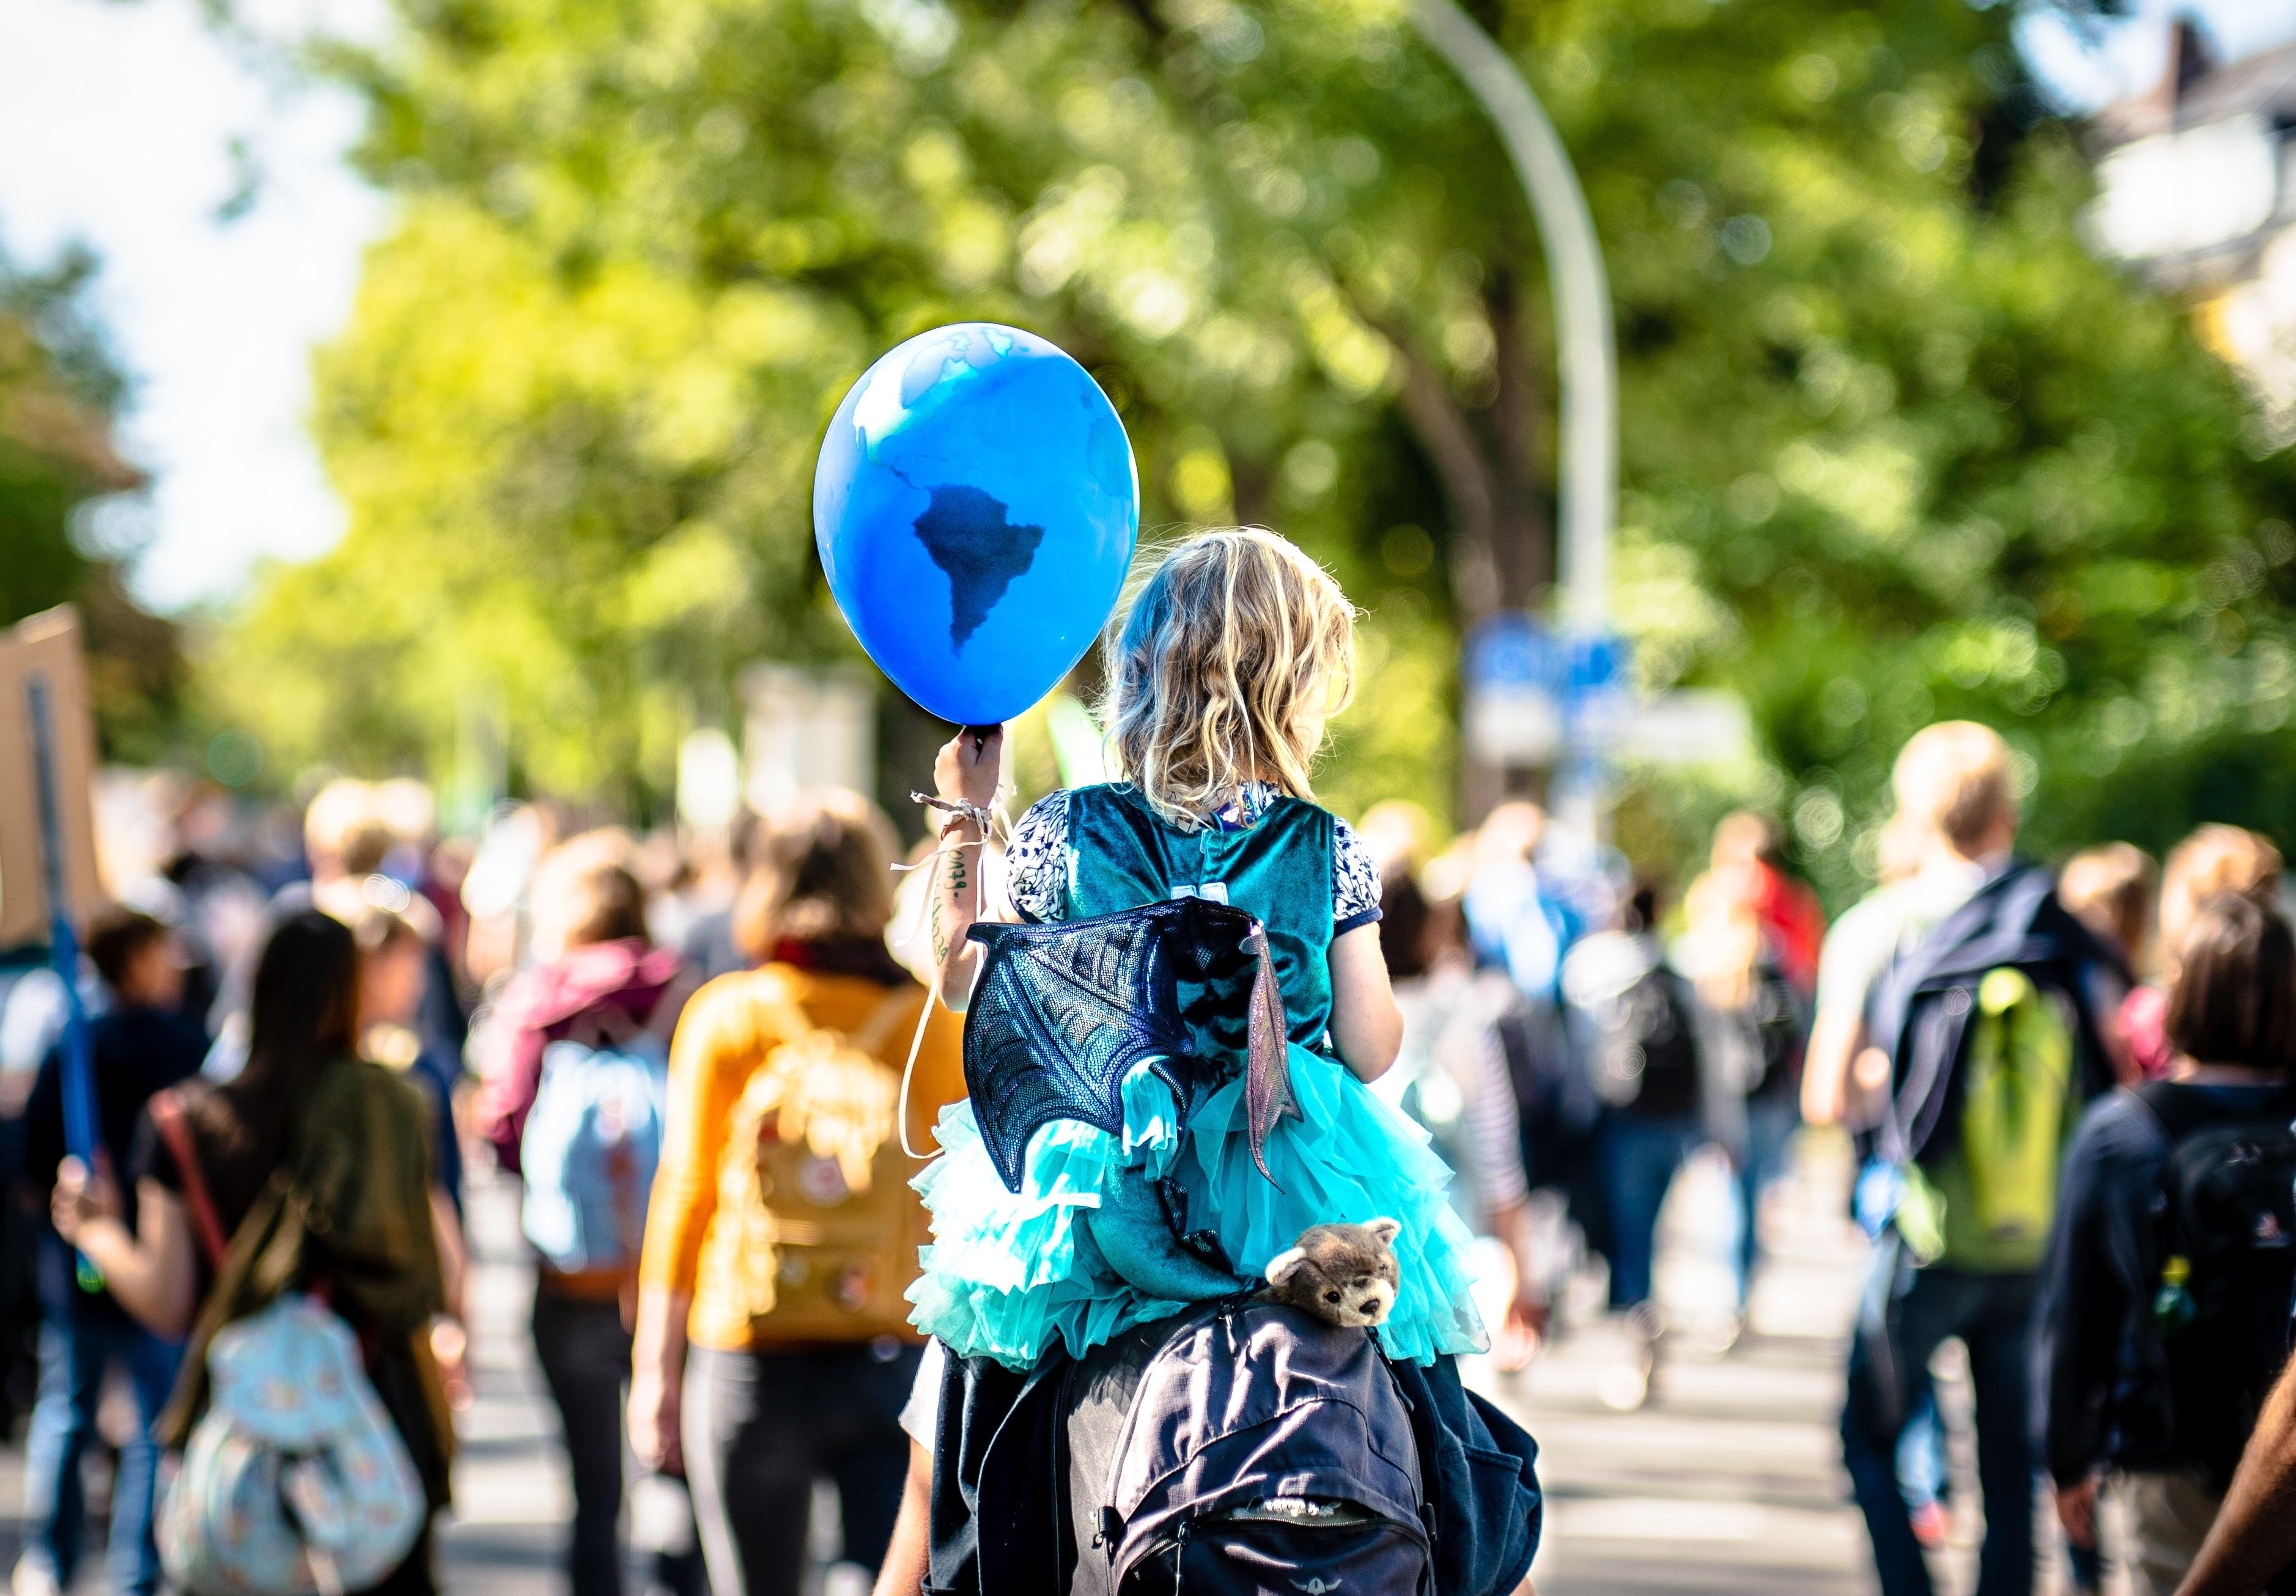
<point x="1638" y="1156"/>
<point x="1770" y="1123"/>
<point x="1991" y="1315"/>
<point x="77" y="1347"/>
<point x="585" y="1352"/>
<point x="761" y="1427"/>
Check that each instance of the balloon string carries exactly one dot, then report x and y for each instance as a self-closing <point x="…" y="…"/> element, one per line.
<point x="933" y="994"/>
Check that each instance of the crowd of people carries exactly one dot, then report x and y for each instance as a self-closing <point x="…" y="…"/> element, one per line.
<point x="708" y="1062"/>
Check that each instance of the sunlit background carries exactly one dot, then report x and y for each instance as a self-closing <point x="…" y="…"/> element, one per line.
<point x="577" y="294"/>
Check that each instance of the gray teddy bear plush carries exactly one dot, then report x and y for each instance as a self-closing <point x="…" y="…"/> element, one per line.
<point x="1344" y="1274"/>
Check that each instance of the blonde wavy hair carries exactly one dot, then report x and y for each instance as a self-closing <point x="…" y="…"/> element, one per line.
<point x="1236" y="651"/>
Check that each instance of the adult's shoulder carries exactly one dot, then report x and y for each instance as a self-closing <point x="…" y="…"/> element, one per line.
<point x="1861" y="944"/>
<point x="2118" y="1131"/>
<point x="368" y="1083"/>
<point x="740" y="1010"/>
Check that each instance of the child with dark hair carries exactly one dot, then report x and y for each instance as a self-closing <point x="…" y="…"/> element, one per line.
<point x="138" y="1045"/>
<point x="2153" y="1374"/>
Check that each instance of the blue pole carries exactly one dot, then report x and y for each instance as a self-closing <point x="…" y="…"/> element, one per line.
<point x="78" y="1068"/>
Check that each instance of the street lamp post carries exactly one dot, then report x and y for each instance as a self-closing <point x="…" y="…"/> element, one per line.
<point x="1589" y="464"/>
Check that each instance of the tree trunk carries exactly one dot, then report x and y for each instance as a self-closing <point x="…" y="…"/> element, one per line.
<point x="1523" y="535"/>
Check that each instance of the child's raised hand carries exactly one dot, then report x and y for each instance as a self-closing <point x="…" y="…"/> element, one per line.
<point x="969" y="764"/>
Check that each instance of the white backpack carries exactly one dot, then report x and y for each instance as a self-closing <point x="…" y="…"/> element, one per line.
<point x="295" y="1482"/>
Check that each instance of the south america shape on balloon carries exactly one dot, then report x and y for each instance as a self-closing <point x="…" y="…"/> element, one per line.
<point x="976" y="506"/>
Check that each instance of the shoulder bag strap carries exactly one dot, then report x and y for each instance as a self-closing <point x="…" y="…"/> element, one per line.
<point x="206" y="1224"/>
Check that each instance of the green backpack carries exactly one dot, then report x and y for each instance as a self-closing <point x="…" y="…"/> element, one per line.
<point x="1988" y="1205"/>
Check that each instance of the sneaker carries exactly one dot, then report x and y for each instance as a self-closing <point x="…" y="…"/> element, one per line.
<point x="1715" y="1335"/>
<point x="1626" y="1386"/>
<point x="32" y="1577"/>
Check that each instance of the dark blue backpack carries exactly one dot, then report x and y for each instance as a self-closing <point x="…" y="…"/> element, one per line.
<point x="1236" y="1447"/>
<point x="1208" y="1455"/>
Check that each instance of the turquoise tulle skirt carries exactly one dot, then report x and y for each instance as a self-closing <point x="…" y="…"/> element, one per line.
<point x="1007" y="1271"/>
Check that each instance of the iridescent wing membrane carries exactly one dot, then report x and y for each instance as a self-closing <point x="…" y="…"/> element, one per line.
<point x="1063" y="1011"/>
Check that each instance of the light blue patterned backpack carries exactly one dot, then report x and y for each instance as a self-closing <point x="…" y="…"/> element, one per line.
<point x="589" y="1151"/>
<point x="295" y="1482"/>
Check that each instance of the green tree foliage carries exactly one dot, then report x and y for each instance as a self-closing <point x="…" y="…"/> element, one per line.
<point x="1895" y="444"/>
<point x="60" y="393"/>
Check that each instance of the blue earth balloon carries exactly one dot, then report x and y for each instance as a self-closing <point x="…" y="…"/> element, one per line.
<point x="976" y="506"/>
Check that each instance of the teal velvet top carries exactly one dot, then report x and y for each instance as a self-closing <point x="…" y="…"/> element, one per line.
<point x="1278" y="869"/>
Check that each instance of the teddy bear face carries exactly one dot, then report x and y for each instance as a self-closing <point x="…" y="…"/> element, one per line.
<point x="1344" y="1274"/>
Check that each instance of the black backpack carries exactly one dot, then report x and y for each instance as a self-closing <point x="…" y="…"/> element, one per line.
<point x="2227" y="1237"/>
<point x="1778" y="1021"/>
<point x="1555" y="1108"/>
<point x="1243" y="1448"/>
<point x="1645" y="1054"/>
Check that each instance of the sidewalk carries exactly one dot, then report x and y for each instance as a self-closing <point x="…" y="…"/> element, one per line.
<point x="1728" y="1479"/>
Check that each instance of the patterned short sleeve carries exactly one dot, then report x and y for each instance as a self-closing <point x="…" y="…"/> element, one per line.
<point x="1037" y="859"/>
<point x="1355" y="880"/>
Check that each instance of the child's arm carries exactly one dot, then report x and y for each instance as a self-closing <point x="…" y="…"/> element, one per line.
<point x="967" y="772"/>
<point x="1367" y="1027"/>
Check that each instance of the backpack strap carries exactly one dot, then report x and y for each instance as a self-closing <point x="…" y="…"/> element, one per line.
<point x="608" y="1022"/>
<point x="207" y="1225"/>
<point x="889" y="1011"/>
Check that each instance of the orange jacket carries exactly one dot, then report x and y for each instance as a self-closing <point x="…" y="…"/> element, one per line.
<point x="727" y="1033"/>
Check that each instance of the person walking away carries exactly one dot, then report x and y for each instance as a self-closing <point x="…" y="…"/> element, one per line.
<point x="1517" y="917"/>
<point x="600" y="985"/>
<point x="2165" y="1313"/>
<point x="1970" y="947"/>
<point x="1451" y="1077"/>
<point x="772" y="1344"/>
<point x="1754" y="1024"/>
<point x="1638" y="1017"/>
<point x="138" y="1045"/>
<point x="327" y="1156"/>
<point x="394" y="972"/>
<point x="1748" y="853"/>
<point x="2215" y="858"/>
<point x="2110" y="890"/>
<point x="395" y="951"/>
<point x="1520" y="924"/>
<point x="1925" y="1471"/>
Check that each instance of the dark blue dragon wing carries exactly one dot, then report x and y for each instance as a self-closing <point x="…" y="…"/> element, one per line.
<point x="1063" y="1011"/>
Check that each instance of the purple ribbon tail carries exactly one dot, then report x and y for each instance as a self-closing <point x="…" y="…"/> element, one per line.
<point x="1268" y="1071"/>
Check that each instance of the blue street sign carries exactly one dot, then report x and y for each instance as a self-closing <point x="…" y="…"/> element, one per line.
<point x="1532" y="694"/>
<point x="1512" y="649"/>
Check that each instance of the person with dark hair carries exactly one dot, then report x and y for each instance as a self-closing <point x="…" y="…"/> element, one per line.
<point x="1754" y="1020"/>
<point x="139" y="1045"/>
<point x="599" y="982"/>
<point x="395" y="949"/>
<point x="1452" y="1077"/>
<point x="326" y="1157"/>
<point x="1638" y="1020"/>
<point x="2164" y="1318"/>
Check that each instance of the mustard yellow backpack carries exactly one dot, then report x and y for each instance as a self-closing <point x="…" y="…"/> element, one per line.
<point x="813" y="1174"/>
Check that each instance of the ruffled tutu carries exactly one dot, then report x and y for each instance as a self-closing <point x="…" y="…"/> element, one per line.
<point x="1008" y="1272"/>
